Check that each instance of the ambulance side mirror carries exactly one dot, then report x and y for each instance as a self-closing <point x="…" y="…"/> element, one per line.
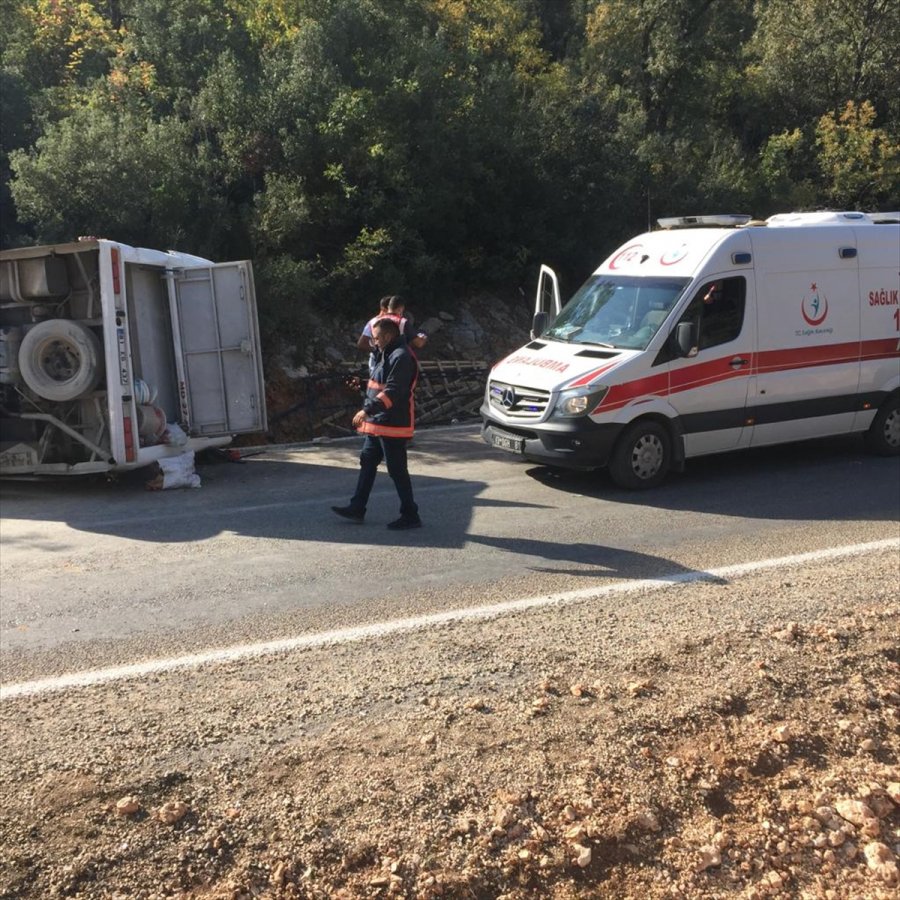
<point x="539" y="324"/>
<point x="686" y="339"/>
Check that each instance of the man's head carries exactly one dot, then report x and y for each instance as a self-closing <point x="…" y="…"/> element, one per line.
<point x="384" y="331"/>
<point x="384" y="303"/>
<point x="396" y="305"/>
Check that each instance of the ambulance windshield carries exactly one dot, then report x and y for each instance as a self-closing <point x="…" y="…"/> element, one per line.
<point x="617" y="311"/>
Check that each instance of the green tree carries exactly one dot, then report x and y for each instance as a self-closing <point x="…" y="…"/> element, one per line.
<point x="180" y="41"/>
<point x="15" y="113"/>
<point x="671" y="71"/>
<point x="860" y="162"/>
<point x="824" y="102"/>
<point x="355" y="147"/>
<point x="115" y="175"/>
<point x="810" y="57"/>
<point x="788" y="172"/>
<point x="390" y="145"/>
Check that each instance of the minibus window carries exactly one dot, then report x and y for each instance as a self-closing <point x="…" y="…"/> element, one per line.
<point x="617" y="311"/>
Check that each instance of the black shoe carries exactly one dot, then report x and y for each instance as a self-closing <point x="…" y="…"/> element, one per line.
<point x="349" y="512"/>
<point x="404" y="523"/>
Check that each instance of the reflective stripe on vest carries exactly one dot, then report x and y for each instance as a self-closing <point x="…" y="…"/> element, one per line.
<point x="373" y="428"/>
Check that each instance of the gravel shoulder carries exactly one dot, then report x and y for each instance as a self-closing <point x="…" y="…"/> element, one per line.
<point x="700" y="741"/>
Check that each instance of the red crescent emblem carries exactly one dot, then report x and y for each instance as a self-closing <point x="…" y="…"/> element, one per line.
<point x="674" y="256"/>
<point x="624" y="256"/>
<point x="820" y="319"/>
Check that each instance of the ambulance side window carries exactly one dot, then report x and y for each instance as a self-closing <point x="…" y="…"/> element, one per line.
<point x="719" y="306"/>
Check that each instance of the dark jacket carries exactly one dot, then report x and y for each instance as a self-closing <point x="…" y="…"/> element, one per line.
<point x="389" y="404"/>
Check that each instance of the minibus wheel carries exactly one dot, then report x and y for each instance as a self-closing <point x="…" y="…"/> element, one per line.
<point x="642" y="455"/>
<point x="883" y="436"/>
<point x="60" y="359"/>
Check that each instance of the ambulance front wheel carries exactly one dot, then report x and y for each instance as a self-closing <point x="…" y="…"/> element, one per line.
<point x="883" y="436"/>
<point x="642" y="456"/>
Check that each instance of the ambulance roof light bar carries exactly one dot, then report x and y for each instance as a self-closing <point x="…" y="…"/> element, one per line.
<point x="725" y="220"/>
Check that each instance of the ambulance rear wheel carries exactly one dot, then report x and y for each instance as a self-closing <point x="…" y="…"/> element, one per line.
<point x="883" y="436"/>
<point x="642" y="456"/>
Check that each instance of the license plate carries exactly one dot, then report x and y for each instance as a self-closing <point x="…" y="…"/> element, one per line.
<point x="507" y="442"/>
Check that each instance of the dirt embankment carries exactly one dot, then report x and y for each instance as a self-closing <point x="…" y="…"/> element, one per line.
<point x="516" y="758"/>
<point x="309" y="390"/>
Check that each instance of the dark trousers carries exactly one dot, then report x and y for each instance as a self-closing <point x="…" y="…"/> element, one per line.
<point x="393" y="452"/>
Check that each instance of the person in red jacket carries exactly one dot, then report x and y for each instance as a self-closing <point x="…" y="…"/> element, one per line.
<point x="387" y="420"/>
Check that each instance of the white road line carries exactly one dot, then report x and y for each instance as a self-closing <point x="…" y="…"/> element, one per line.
<point x="382" y="629"/>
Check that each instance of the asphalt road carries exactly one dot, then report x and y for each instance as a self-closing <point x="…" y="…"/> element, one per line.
<point x="95" y="574"/>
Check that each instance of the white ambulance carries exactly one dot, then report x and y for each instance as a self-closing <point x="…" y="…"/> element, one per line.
<point x="113" y="357"/>
<point x="714" y="333"/>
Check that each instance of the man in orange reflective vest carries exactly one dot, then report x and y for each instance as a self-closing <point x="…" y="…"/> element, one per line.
<point x="387" y="420"/>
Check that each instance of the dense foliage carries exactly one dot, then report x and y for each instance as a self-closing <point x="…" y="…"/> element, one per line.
<point x="434" y="147"/>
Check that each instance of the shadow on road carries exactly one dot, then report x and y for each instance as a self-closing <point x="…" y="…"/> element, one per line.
<point x="282" y="494"/>
<point x="821" y="480"/>
<point x="603" y="562"/>
<point x="289" y="498"/>
<point x="264" y="498"/>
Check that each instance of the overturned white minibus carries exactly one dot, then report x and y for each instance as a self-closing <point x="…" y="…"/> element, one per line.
<point x="112" y="357"/>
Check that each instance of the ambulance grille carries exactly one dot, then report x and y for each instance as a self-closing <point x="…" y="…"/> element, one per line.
<point x="516" y="402"/>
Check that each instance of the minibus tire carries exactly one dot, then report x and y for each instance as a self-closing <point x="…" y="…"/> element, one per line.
<point x="642" y="456"/>
<point x="883" y="436"/>
<point x="60" y="360"/>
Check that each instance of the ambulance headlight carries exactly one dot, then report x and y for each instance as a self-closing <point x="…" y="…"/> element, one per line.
<point x="578" y="402"/>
